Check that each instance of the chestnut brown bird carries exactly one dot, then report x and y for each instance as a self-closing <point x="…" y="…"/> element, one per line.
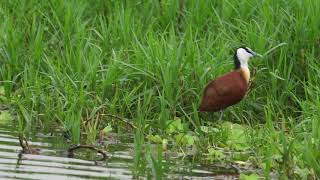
<point x="230" y="88"/>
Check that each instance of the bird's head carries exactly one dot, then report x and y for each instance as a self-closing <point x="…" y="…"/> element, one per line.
<point x="242" y="56"/>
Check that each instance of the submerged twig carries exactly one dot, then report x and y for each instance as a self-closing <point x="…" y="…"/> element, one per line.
<point x="125" y="120"/>
<point x="22" y="144"/>
<point x="229" y="169"/>
<point x="19" y="159"/>
<point x="100" y="151"/>
<point x="26" y="149"/>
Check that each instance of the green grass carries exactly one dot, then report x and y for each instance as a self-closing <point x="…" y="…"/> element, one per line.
<point x="67" y="63"/>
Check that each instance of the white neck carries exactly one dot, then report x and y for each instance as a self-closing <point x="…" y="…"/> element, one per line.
<point x="244" y="64"/>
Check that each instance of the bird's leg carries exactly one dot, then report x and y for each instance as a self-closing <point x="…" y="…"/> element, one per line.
<point x="221" y="115"/>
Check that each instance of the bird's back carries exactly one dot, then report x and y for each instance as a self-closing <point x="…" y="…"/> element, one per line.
<point x="224" y="91"/>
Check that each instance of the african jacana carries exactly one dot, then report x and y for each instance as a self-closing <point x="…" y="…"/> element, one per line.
<point x="230" y="88"/>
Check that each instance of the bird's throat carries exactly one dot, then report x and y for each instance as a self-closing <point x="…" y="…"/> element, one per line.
<point x="245" y="73"/>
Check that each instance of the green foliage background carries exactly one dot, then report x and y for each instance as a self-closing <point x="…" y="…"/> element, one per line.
<point x="70" y="64"/>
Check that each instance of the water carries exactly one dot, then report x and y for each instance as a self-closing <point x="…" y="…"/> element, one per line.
<point x="52" y="161"/>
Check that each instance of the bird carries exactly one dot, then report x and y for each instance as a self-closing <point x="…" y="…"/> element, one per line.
<point x="230" y="88"/>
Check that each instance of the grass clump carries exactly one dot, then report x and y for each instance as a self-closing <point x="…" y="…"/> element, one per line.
<point x="65" y="64"/>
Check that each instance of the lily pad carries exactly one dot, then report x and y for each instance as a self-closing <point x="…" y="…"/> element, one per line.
<point x="237" y="138"/>
<point x="185" y="139"/>
<point x="249" y="177"/>
<point x="174" y="126"/>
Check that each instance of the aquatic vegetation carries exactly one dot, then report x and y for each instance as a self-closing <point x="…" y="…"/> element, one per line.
<point x="92" y="67"/>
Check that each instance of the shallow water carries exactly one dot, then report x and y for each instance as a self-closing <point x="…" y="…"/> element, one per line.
<point x="52" y="161"/>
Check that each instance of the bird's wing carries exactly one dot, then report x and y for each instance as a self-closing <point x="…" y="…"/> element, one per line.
<point x="222" y="92"/>
<point x="223" y="89"/>
<point x="218" y="89"/>
<point x="215" y="96"/>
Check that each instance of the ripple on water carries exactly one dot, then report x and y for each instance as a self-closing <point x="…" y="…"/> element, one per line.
<point x="14" y="165"/>
<point x="51" y="163"/>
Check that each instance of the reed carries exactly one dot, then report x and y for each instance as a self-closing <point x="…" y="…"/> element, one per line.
<point x="148" y="61"/>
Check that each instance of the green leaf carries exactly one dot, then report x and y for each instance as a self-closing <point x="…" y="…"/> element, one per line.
<point x="215" y="155"/>
<point x="207" y="129"/>
<point x="107" y="129"/>
<point x="190" y="140"/>
<point x="237" y="138"/>
<point x="174" y="126"/>
<point x="183" y="139"/>
<point x="154" y="138"/>
<point x="249" y="177"/>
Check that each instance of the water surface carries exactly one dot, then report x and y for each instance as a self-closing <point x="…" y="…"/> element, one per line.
<point x="52" y="161"/>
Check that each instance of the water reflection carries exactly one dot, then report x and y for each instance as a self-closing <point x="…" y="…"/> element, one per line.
<point x="47" y="165"/>
<point x="52" y="161"/>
